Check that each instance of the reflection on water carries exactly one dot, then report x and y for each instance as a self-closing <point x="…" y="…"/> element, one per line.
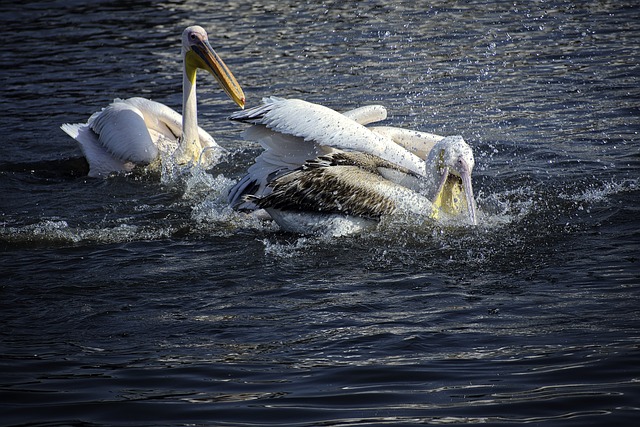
<point x="139" y="300"/>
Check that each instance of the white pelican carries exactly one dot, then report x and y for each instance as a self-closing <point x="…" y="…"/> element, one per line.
<point x="134" y="131"/>
<point x="322" y="169"/>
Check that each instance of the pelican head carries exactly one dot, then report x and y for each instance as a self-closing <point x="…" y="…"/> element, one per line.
<point x="449" y="166"/>
<point x="198" y="54"/>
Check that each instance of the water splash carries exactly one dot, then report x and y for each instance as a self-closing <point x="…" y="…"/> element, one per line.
<point x="598" y="192"/>
<point x="210" y="210"/>
<point x="50" y="231"/>
<point x="174" y="173"/>
<point x="284" y="250"/>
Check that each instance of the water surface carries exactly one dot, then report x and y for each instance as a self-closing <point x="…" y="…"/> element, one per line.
<point x="138" y="300"/>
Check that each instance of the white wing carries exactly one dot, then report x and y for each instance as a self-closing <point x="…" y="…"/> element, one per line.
<point x="129" y="132"/>
<point x="101" y="162"/>
<point x="323" y="126"/>
<point x="418" y="143"/>
<point x="367" y="114"/>
<point x="292" y="131"/>
<point x="122" y="131"/>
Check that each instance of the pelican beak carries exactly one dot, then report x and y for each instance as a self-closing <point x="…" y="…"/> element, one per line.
<point x="204" y="57"/>
<point x="465" y="175"/>
<point x="455" y="193"/>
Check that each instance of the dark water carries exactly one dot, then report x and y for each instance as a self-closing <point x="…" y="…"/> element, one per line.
<point x="141" y="301"/>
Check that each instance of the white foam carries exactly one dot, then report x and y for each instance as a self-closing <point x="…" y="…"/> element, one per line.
<point x="58" y="231"/>
<point x="287" y="249"/>
<point x="601" y="191"/>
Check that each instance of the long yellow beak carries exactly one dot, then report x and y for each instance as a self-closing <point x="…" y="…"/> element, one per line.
<point x="204" y="57"/>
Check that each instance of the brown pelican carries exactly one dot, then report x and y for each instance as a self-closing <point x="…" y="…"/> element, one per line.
<point x="135" y="131"/>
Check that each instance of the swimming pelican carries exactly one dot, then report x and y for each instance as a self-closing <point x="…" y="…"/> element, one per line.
<point x="134" y="131"/>
<point x="322" y="169"/>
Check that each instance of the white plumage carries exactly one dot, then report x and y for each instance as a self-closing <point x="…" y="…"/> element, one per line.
<point x="320" y="166"/>
<point x="135" y="131"/>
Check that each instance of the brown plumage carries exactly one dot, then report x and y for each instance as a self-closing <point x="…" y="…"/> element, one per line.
<point x="346" y="183"/>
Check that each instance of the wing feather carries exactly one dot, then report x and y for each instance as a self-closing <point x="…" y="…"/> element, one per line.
<point x="367" y="114"/>
<point x="101" y="162"/>
<point x="345" y="190"/>
<point x="166" y="121"/>
<point x="282" y="153"/>
<point x="418" y="143"/>
<point x="324" y="126"/>
<point x="292" y="131"/>
<point x="122" y="131"/>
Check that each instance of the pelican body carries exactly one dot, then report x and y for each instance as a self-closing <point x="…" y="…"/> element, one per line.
<point x="134" y="131"/>
<point x="324" y="171"/>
